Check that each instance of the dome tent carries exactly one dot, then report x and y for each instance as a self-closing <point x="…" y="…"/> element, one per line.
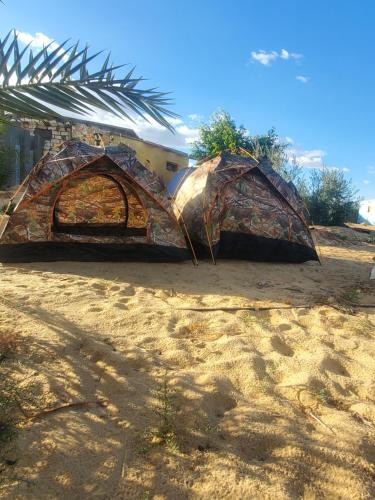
<point x="177" y="179"/>
<point x="236" y="207"/>
<point x="88" y="203"/>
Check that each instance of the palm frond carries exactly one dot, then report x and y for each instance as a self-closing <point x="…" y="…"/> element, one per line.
<point x="57" y="79"/>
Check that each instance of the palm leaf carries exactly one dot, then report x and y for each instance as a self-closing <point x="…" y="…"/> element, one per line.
<point x="56" y="79"/>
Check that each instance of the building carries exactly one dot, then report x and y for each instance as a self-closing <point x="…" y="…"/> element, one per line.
<point x="31" y="139"/>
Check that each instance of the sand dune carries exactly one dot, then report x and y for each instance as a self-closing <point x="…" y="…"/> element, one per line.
<point x="265" y="404"/>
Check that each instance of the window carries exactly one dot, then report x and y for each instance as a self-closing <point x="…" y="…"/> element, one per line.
<point x="172" y="167"/>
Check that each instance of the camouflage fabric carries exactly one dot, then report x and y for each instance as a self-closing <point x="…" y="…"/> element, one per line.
<point x="91" y="200"/>
<point x="239" y="195"/>
<point x="90" y="186"/>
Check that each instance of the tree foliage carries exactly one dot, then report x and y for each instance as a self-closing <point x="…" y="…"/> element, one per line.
<point x="222" y="134"/>
<point x="57" y="77"/>
<point x="331" y="198"/>
<point x="219" y="135"/>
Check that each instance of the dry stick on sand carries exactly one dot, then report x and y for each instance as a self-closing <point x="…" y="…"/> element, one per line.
<point x="308" y="411"/>
<point x="262" y="308"/>
<point x="79" y="404"/>
<point x="311" y="414"/>
<point x="239" y="308"/>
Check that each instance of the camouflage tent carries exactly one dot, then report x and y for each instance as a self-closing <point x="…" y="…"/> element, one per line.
<point x="236" y="207"/>
<point x="89" y="203"/>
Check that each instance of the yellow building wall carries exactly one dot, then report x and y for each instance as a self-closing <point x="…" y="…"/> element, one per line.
<point x="155" y="157"/>
<point x="152" y="156"/>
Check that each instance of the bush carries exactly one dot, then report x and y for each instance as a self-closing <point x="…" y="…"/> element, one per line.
<point x="331" y="199"/>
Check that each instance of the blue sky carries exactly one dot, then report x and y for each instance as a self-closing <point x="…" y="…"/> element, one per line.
<point x="306" y="68"/>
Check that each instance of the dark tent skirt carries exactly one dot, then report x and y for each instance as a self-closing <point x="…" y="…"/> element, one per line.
<point x="49" y="251"/>
<point x="251" y="247"/>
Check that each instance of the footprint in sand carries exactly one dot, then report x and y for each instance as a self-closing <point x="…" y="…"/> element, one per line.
<point x="281" y="347"/>
<point x="221" y="403"/>
<point x="284" y="327"/>
<point x="148" y="340"/>
<point x="201" y="345"/>
<point x="334" y="366"/>
<point x="123" y="301"/>
<point x="95" y="309"/>
<point x="120" y="305"/>
<point x="259" y="366"/>
<point x="199" y="360"/>
<point x="129" y="290"/>
<point x="99" y="289"/>
<point x="331" y="345"/>
<point x="172" y="324"/>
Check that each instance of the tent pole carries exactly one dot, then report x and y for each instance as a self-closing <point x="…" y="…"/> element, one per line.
<point x="195" y="260"/>
<point x="173" y="199"/>
<point x="209" y="241"/>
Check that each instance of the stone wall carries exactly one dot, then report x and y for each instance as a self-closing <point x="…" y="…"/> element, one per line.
<point x="56" y="132"/>
<point x="160" y="159"/>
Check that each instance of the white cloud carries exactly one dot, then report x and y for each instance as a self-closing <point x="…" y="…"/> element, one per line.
<point x="38" y="41"/>
<point x="195" y="117"/>
<point x="151" y="130"/>
<point x="371" y="170"/>
<point x="303" y="79"/>
<point x="312" y="158"/>
<point x="289" y="140"/>
<point x="266" y="58"/>
<point x="284" y="54"/>
<point x="367" y="182"/>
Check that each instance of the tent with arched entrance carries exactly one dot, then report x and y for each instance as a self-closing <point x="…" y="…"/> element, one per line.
<point x="89" y="203"/>
<point x="237" y="207"/>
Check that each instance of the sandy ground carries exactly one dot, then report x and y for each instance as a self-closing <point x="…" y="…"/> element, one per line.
<point x="258" y="404"/>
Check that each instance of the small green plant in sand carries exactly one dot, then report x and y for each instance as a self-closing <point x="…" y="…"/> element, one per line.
<point x="164" y="434"/>
<point x="251" y="320"/>
<point x="201" y="330"/>
<point x="16" y="393"/>
<point x="350" y="296"/>
<point x="324" y="396"/>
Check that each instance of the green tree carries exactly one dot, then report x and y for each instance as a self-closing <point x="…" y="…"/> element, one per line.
<point x="219" y="135"/>
<point x="58" y="78"/>
<point x="331" y="198"/>
<point x="222" y="134"/>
